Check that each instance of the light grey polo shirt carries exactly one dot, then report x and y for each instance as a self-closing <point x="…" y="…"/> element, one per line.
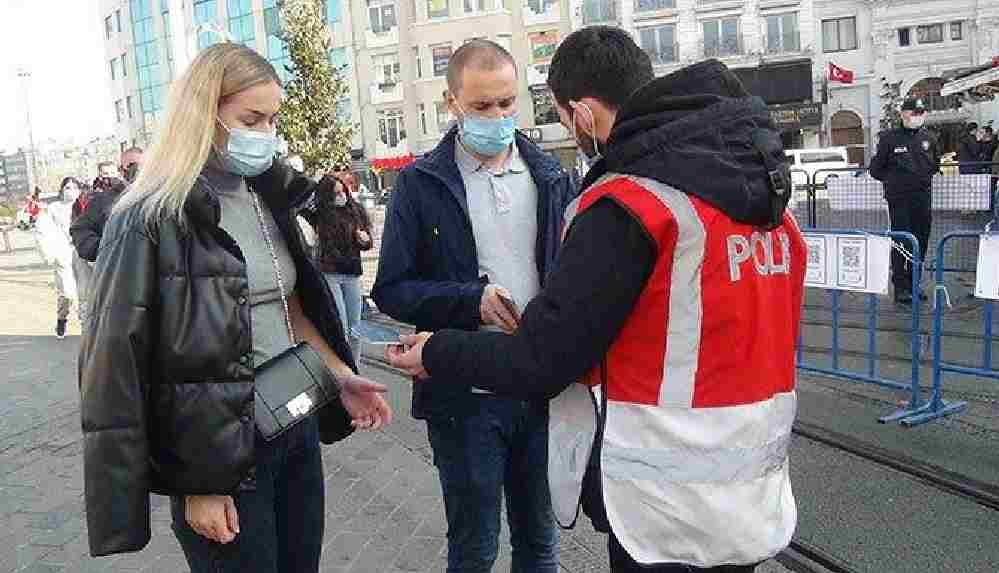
<point x="503" y="207"/>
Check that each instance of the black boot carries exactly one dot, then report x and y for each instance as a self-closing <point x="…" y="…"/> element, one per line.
<point x="61" y="328"/>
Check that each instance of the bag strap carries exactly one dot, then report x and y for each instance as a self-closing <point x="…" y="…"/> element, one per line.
<point x="277" y="265"/>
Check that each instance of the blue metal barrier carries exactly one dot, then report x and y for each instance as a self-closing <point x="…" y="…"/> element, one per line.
<point x="870" y="375"/>
<point x="937" y="407"/>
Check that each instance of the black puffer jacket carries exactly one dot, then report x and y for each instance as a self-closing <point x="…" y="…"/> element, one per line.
<point x="166" y="373"/>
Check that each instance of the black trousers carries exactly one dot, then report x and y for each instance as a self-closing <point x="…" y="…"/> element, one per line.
<point x="621" y="562"/>
<point x="912" y="213"/>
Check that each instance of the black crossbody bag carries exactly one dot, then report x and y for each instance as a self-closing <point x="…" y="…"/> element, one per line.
<point x="291" y="386"/>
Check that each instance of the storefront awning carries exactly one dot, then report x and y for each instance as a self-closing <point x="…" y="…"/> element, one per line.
<point x="981" y="83"/>
<point x="392" y="163"/>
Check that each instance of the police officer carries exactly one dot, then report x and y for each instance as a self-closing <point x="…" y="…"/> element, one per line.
<point x="906" y="161"/>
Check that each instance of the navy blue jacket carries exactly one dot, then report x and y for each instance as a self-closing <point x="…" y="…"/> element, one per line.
<point x="428" y="269"/>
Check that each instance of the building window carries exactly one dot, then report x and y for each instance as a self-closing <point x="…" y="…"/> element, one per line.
<point x="128" y="106"/>
<point x="390" y="127"/>
<point x="653" y="5"/>
<point x="117" y="19"/>
<point x="659" y="42"/>
<point x="114" y="68"/>
<point x="242" y="29"/>
<point x="108" y="28"/>
<point x="782" y="33"/>
<point x="475" y="6"/>
<point x="839" y="35"/>
<point x="338" y="59"/>
<point x="437" y="8"/>
<point x="332" y="11"/>
<point x="277" y="49"/>
<point x="722" y="38"/>
<point x="386" y="69"/>
<point x="599" y="11"/>
<point x="541" y="6"/>
<point x="151" y="80"/>
<point x="903" y="37"/>
<point x="119" y="111"/>
<point x="343" y="109"/>
<point x="545" y="112"/>
<point x="382" y="15"/>
<point x="442" y="55"/>
<point x="124" y="65"/>
<point x="206" y="12"/>
<point x="417" y="62"/>
<point x="932" y="34"/>
<point x="422" y="110"/>
<point x="956" y="31"/>
<point x="167" y="36"/>
<point x="442" y="121"/>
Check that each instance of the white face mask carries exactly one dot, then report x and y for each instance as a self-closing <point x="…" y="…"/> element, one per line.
<point x="71" y="193"/>
<point x="914" y="121"/>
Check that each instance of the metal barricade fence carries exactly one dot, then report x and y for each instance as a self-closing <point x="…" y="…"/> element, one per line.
<point x="983" y="367"/>
<point x="855" y="348"/>
<point x="962" y="198"/>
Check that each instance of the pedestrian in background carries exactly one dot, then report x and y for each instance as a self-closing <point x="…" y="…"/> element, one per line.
<point x="52" y="230"/>
<point x="202" y="280"/>
<point x="110" y="184"/>
<point x="905" y="162"/>
<point x="343" y="231"/>
<point x="970" y="150"/>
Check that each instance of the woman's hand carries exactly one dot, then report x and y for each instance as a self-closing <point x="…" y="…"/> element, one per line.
<point x="212" y="516"/>
<point x="363" y="237"/>
<point x="363" y="401"/>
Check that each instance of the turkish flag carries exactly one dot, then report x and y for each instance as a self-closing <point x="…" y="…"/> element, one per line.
<point x="841" y="75"/>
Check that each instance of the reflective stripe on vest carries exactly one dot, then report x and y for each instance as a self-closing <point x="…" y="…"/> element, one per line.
<point x="694" y="455"/>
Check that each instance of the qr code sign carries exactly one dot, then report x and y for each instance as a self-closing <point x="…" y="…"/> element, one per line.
<point x="814" y="256"/>
<point x="851" y="256"/>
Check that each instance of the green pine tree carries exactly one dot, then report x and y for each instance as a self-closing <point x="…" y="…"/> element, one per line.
<point x="309" y="121"/>
<point x="891" y="104"/>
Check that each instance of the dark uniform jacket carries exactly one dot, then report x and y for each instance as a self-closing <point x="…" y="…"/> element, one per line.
<point x="906" y="161"/>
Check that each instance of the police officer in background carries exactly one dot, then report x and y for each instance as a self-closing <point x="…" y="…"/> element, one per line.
<point x="905" y="163"/>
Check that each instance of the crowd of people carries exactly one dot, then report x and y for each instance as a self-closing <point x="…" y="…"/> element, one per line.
<point x="569" y="366"/>
<point x="568" y="333"/>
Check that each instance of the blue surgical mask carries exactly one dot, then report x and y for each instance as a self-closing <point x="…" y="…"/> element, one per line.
<point x="248" y="153"/>
<point x="487" y="136"/>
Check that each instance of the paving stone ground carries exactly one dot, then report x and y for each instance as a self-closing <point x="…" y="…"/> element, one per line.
<point x="383" y="503"/>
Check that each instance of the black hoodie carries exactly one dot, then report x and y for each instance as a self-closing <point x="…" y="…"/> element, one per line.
<point x="696" y="130"/>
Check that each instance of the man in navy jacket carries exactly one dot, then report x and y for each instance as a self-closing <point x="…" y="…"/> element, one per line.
<point x="471" y="232"/>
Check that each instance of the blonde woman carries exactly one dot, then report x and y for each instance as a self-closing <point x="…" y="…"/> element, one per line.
<point x="200" y="280"/>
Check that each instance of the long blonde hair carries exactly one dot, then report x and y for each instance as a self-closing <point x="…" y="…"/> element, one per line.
<point x="188" y="130"/>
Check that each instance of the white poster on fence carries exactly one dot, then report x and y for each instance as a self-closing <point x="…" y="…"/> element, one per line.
<point x="987" y="273"/>
<point x="857" y="263"/>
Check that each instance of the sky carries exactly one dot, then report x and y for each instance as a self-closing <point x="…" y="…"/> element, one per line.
<point x="60" y="42"/>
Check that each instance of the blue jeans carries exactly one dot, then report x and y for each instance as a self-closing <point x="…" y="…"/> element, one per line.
<point x="347" y="293"/>
<point x="496" y="444"/>
<point x="281" y="522"/>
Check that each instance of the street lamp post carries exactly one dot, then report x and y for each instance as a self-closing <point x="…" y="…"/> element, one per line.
<point x="25" y="77"/>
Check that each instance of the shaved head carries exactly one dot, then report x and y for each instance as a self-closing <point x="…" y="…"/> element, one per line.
<point x="479" y="54"/>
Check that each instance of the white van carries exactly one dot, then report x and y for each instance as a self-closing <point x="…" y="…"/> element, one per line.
<point x="811" y="160"/>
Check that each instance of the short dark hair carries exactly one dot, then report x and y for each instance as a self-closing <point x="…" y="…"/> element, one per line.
<point x="484" y="54"/>
<point x="599" y="62"/>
